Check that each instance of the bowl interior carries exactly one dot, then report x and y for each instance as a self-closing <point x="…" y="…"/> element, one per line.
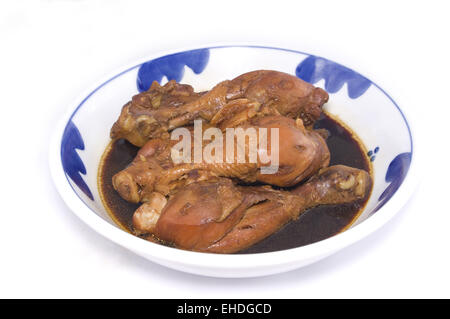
<point x="358" y="102"/>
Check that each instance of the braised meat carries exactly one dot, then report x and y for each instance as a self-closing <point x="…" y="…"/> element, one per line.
<point x="138" y="120"/>
<point x="301" y="154"/>
<point x="153" y="113"/>
<point x="218" y="216"/>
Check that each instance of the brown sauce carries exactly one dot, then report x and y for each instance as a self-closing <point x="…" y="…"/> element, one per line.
<point x="313" y="225"/>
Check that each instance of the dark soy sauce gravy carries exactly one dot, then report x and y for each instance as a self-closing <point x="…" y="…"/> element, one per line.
<point x="313" y="225"/>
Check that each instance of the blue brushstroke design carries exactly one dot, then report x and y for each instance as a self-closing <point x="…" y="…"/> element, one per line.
<point x="313" y="69"/>
<point x="371" y="153"/>
<point x="71" y="161"/>
<point x="396" y="173"/>
<point x="171" y="66"/>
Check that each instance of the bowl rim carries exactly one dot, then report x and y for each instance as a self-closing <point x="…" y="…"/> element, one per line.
<point x="219" y="261"/>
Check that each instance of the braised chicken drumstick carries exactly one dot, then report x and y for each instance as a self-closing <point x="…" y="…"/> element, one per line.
<point x="220" y="217"/>
<point x="152" y="114"/>
<point x="301" y="154"/>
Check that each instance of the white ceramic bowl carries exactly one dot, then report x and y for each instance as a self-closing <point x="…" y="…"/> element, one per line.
<point x="83" y="133"/>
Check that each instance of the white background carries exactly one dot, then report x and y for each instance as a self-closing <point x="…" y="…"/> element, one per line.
<point x="51" y="51"/>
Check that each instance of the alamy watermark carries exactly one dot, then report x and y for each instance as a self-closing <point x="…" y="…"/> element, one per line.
<point x="242" y="145"/>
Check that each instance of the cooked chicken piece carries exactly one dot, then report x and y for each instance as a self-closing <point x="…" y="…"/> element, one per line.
<point x="148" y="213"/>
<point x="218" y="216"/>
<point x="301" y="154"/>
<point x="152" y="114"/>
<point x="136" y="123"/>
<point x="337" y="184"/>
<point x="218" y="200"/>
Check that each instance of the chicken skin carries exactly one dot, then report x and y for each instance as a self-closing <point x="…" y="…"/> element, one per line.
<point x="218" y="216"/>
<point x="154" y="113"/>
<point x="136" y="122"/>
<point x="301" y="153"/>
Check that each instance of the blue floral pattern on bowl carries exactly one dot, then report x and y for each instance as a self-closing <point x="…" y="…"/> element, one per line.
<point x="172" y="67"/>
<point x="396" y="173"/>
<point x="72" y="163"/>
<point x="313" y="69"/>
